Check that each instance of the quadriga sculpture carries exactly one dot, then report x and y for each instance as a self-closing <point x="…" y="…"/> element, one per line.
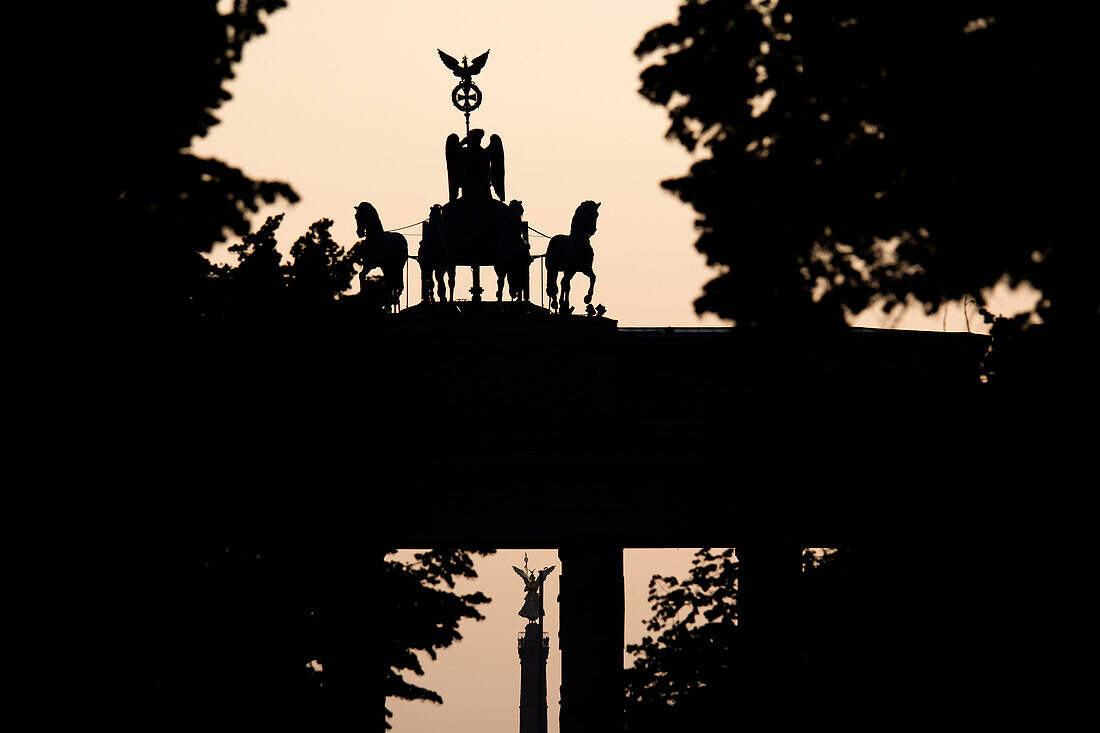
<point x="572" y="253"/>
<point x="378" y="248"/>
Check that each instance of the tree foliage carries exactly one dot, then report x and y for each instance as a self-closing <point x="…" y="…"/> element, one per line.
<point x="261" y="287"/>
<point x="692" y="670"/>
<point x="259" y="625"/>
<point x="682" y="671"/>
<point x="163" y="70"/>
<point x="860" y="152"/>
<point x="425" y="614"/>
<point x="321" y="270"/>
<point x="256" y="285"/>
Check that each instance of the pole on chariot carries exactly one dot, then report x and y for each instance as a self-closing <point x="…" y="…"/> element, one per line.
<point x="466" y="97"/>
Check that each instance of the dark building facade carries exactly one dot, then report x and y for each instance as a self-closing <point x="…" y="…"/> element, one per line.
<point x="587" y="438"/>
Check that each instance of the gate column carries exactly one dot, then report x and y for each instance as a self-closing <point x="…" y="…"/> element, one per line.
<point x="767" y="611"/>
<point x="354" y="657"/>
<point x="590" y="638"/>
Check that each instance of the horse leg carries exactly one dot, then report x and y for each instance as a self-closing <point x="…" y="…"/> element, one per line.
<point x="552" y="287"/>
<point x="500" y="284"/>
<point x="565" y="278"/>
<point x="516" y="285"/>
<point x="398" y="286"/>
<point x="426" y="284"/>
<point x="513" y="284"/>
<point x="451" y="282"/>
<point x="591" y="286"/>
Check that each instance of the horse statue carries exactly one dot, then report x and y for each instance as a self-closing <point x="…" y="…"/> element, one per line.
<point x="436" y="258"/>
<point x="572" y="253"/>
<point x="512" y="257"/>
<point x="378" y="248"/>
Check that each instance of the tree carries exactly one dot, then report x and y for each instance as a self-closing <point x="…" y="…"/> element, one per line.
<point x="694" y="672"/>
<point x="320" y="270"/>
<point x="261" y="625"/>
<point x="863" y="152"/>
<point x="161" y="75"/>
<point x="857" y="152"/>
<point x="257" y="285"/>
<point x="426" y="614"/>
<point x="683" y="676"/>
<point x="260" y="287"/>
<point x="385" y="614"/>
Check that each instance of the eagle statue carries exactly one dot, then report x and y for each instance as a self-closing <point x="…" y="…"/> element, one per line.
<point x="466" y="69"/>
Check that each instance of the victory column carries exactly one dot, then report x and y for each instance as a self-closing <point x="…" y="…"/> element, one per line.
<point x="534" y="648"/>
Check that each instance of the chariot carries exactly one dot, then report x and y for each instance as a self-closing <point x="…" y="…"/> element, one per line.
<point x="475" y="228"/>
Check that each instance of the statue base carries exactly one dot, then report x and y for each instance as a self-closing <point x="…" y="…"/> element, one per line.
<point x="533" y="637"/>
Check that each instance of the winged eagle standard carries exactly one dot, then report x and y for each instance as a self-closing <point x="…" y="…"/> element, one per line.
<point x="466" y="97"/>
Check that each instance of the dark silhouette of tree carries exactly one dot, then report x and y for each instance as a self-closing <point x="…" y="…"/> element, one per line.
<point x="320" y="270"/>
<point x="257" y="285"/>
<point x="425" y="614"/>
<point x="682" y="677"/>
<point x="261" y="627"/>
<point x="260" y="287"/>
<point x="385" y="617"/>
<point x="862" y="152"/>
<point x="855" y="152"/>
<point x="694" y="670"/>
<point x="163" y="67"/>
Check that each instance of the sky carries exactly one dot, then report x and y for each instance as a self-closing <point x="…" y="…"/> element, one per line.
<point x="348" y="101"/>
<point x="479" y="676"/>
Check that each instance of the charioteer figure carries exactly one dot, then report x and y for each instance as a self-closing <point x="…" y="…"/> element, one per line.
<point x="472" y="169"/>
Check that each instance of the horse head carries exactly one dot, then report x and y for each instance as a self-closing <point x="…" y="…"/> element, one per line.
<point x="366" y="220"/>
<point x="584" y="219"/>
<point x="435" y="216"/>
<point x="515" y="210"/>
<point x="431" y="246"/>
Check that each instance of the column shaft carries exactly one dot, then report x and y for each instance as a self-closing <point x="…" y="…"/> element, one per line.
<point x="591" y="639"/>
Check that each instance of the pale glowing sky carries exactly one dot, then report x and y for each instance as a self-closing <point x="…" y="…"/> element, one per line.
<point x="348" y="101"/>
<point x="479" y="676"/>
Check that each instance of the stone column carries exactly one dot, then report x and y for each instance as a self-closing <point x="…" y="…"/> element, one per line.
<point x="768" y="602"/>
<point x="354" y="660"/>
<point x="533" y="652"/>
<point x="591" y="639"/>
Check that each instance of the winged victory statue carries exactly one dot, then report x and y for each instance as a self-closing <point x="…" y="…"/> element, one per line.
<point x="532" y="584"/>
